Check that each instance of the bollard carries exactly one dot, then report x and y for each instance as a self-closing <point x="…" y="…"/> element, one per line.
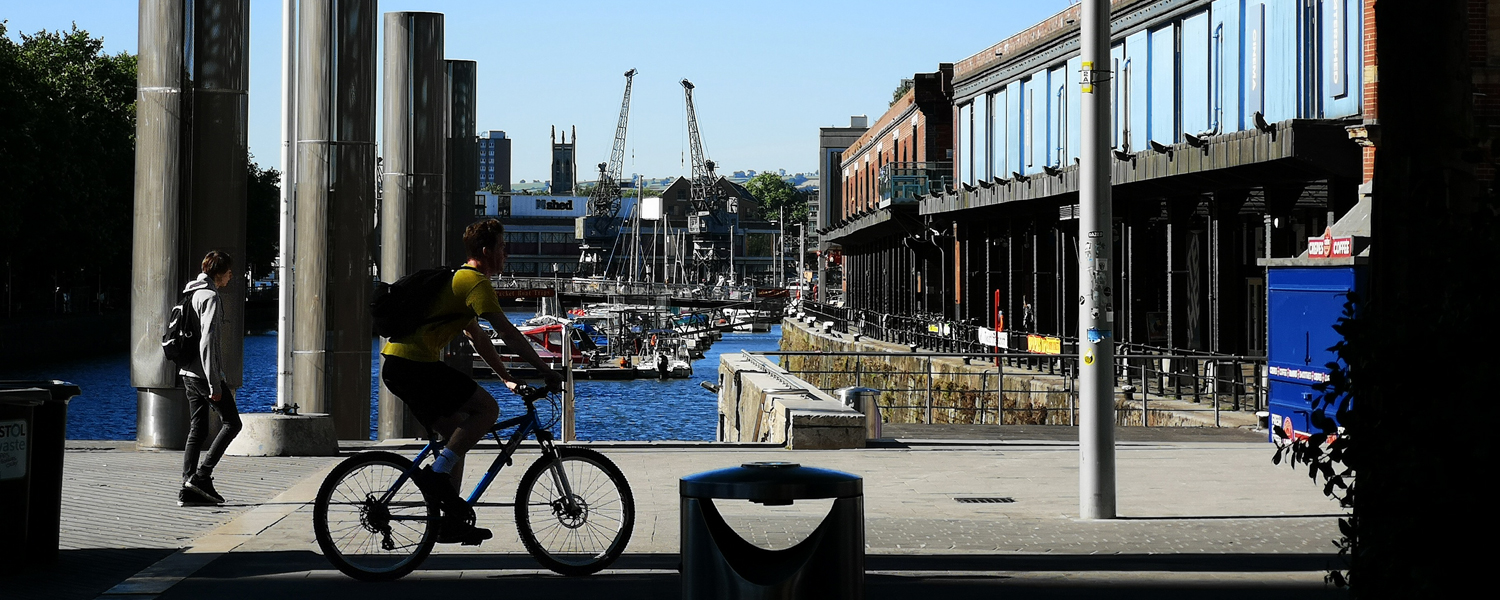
<point x="864" y="400"/>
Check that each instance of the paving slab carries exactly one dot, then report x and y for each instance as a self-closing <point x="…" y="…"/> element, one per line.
<point x="1206" y="515"/>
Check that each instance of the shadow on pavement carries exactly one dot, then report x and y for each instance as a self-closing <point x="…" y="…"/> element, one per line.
<point x="306" y="574"/>
<point x="80" y="574"/>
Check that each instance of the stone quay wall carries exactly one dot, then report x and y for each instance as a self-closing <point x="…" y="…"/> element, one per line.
<point x="756" y="405"/>
<point x="960" y="393"/>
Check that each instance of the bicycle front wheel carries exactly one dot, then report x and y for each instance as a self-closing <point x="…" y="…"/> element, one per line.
<point x="583" y="529"/>
<point x="368" y="527"/>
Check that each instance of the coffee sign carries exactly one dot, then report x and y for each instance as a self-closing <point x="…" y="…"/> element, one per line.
<point x="1327" y="246"/>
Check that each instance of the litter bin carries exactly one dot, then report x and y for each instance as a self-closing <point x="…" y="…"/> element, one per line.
<point x="17" y="413"/>
<point x="718" y="563"/>
<point x="49" y="435"/>
<point x="864" y="400"/>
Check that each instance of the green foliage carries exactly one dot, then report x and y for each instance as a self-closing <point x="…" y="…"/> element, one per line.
<point x="494" y="188"/>
<point x="1333" y="456"/>
<point x="906" y="84"/>
<point x="67" y="160"/>
<point x="773" y="193"/>
<point x="262" y="216"/>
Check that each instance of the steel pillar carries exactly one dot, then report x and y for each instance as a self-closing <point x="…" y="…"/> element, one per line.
<point x="335" y="203"/>
<point x="413" y="145"/>
<point x="216" y="207"/>
<point x="156" y="259"/>
<point x="286" y="297"/>
<point x="462" y="169"/>
<point x="189" y="190"/>
<point x="463" y="156"/>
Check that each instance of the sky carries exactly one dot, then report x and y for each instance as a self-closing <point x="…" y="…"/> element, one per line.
<point x="767" y="74"/>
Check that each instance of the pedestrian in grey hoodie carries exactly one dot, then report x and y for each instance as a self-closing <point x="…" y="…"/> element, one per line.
<point x="207" y="386"/>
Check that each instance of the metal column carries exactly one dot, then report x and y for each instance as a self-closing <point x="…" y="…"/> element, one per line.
<point x="462" y="171"/>
<point x="161" y="416"/>
<point x="1096" y="436"/>
<point x="335" y="204"/>
<point x="215" y="211"/>
<point x="463" y="156"/>
<point x="286" y="297"/>
<point x="413" y="146"/>
<point x="190" y="189"/>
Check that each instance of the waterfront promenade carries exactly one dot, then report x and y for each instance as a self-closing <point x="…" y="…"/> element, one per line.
<point x="1203" y="512"/>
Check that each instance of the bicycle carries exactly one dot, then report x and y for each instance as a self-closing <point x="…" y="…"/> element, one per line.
<point x="374" y="523"/>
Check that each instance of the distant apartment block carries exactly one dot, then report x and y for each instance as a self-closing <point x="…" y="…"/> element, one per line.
<point x="494" y="159"/>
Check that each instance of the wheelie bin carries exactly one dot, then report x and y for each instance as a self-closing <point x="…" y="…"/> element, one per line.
<point x="46" y="440"/>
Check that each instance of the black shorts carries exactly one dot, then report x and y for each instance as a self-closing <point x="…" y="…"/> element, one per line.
<point x="431" y="389"/>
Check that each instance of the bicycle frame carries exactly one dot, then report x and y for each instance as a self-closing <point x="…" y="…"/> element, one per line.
<point x="526" y="425"/>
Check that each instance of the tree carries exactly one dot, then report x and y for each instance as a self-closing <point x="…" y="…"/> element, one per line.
<point x="67" y="160"/>
<point x="774" y="193"/>
<point x="262" y="216"/>
<point x="901" y="89"/>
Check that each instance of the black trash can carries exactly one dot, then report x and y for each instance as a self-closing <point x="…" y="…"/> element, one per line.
<point x="718" y="563"/>
<point x="49" y="435"/>
<point x="17" y="413"/>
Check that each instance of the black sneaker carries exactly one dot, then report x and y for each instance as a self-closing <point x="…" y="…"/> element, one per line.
<point x="189" y="497"/>
<point x="204" y="485"/>
<point x="457" y="531"/>
<point x="441" y="488"/>
<point x="457" y="524"/>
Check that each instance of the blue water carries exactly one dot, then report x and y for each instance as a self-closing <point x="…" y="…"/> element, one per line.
<point x="638" y="410"/>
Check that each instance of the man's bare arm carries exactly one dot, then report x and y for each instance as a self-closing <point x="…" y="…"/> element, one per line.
<point x="480" y="339"/>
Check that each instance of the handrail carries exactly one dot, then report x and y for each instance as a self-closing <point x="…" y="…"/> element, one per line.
<point x="1239" y="381"/>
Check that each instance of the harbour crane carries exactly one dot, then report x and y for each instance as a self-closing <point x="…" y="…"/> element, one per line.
<point x="711" y="225"/>
<point x="600" y="229"/>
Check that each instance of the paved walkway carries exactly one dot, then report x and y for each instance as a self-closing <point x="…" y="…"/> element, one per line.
<point x="1201" y="513"/>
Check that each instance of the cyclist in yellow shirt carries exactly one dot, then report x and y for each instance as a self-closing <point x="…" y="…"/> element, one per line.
<point x="442" y="398"/>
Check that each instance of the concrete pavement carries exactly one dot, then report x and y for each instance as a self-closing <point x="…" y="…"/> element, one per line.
<point x="1201" y="512"/>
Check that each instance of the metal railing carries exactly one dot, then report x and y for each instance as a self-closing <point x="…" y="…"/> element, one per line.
<point x="902" y="182"/>
<point x="1029" y="388"/>
<point x="1167" y="372"/>
<point x="825" y="313"/>
<point x="569" y="285"/>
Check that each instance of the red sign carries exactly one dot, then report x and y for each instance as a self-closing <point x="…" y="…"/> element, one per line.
<point x="523" y="293"/>
<point x="772" y="293"/>
<point x="1327" y="246"/>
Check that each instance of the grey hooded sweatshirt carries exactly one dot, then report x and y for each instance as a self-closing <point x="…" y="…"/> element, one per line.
<point x="205" y="300"/>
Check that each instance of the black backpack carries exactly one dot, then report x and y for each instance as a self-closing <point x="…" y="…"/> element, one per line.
<point x="400" y="308"/>
<point x="180" y="342"/>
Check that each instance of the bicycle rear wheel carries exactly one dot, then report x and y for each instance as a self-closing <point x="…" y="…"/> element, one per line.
<point x="578" y="533"/>
<point x="365" y="535"/>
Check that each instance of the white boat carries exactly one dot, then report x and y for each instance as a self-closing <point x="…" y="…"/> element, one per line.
<point x="751" y="320"/>
<point x="675" y="368"/>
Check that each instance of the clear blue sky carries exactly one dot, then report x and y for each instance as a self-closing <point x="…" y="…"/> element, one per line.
<point x="768" y="74"/>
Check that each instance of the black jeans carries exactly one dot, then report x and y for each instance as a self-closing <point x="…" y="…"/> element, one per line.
<point x="198" y="406"/>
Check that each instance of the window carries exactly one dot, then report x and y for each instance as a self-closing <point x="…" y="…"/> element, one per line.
<point x="1030" y="126"/>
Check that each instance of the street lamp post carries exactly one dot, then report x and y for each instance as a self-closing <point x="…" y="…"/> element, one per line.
<point x="1096" y="315"/>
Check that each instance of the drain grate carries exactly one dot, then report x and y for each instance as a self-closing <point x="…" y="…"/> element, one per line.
<point x="992" y="500"/>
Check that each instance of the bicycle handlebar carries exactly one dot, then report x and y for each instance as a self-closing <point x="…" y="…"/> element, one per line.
<point x="532" y="394"/>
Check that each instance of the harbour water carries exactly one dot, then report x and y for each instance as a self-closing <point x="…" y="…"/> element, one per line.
<point x="637" y="410"/>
